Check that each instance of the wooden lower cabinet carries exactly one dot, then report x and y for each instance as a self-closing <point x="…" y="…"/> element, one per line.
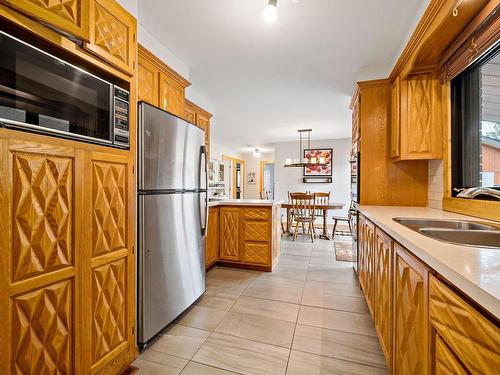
<point x="212" y="239"/>
<point x="366" y="252"/>
<point x="67" y="295"/>
<point x="411" y="323"/>
<point x="463" y="341"/>
<point x="247" y="236"/>
<point x="382" y="291"/>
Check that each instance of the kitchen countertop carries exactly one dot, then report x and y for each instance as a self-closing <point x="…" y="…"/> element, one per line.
<point x="244" y="202"/>
<point x="473" y="270"/>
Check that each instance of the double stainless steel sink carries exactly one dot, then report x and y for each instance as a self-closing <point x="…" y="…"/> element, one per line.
<point x="461" y="232"/>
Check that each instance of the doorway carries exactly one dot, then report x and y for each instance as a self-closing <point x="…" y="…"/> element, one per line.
<point x="237" y="180"/>
<point x="267" y="179"/>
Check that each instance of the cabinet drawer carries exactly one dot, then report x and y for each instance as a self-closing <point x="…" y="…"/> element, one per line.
<point x="474" y="339"/>
<point x="257" y="231"/>
<point x="257" y="214"/>
<point x="257" y="253"/>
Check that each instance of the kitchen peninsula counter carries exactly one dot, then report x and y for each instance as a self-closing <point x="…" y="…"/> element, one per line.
<point x="244" y="233"/>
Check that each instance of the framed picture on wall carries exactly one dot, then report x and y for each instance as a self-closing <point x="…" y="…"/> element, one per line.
<point x="319" y="154"/>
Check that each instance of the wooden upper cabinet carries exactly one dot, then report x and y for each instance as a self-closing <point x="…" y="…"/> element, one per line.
<point x="465" y="342"/>
<point x="189" y="112"/>
<point x="411" y="320"/>
<point x="395" y="117"/>
<point x="70" y="16"/>
<point x="171" y="95"/>
<point x="382" y="292"/>
<point x="147" y="82"/>
<point x="416" y="117"/>
<point x="356" y="134"/>
<point x="112" y="34"/>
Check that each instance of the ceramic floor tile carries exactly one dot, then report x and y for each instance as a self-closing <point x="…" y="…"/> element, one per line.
<point x="242" y="356"/>
<point x="157" y="368"/>
<point x="330" y="288"/>
<point x="181" y="341"/>
<point x="337" y="344"/>
<point x="258" y="328"/>
<point x="267" y="308"/>
<point x="339" y="320"/>
<point x="310" y="364"/>
<point x="276" y="288"/>
<point x="218" y="301"/>
<point x="194" y="368"/>
<point x="202" y="318"/>
<point x="297" y="251"/>
<point x="339" y="275"/>
<point x="322" y="297"/>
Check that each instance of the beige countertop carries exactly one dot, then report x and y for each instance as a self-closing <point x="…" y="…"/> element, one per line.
<point x="473" y="270"/>
<point x="245" y="202"/>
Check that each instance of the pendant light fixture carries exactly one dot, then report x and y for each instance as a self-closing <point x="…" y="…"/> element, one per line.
<point x="304" y="144"/>
<point x="270" y="11"/>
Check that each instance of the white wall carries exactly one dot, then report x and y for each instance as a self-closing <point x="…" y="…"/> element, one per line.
<point x="290" y="179"/>
<point x="252" y="164"/>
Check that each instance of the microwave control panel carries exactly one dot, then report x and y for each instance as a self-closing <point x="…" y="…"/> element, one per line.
<point x="121" y="117"/>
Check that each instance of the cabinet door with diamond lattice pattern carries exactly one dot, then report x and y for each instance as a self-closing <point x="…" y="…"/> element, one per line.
<point x="411" y="320"/>
<point x="230" y="228"/>
<point x="113" y="34"/>
<point x="108" y="280"/>
<point x="38" y="258"/>
<point x="71" y="16"/>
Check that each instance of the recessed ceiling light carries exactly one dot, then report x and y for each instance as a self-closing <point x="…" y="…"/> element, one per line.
<point x="270" y="11"/>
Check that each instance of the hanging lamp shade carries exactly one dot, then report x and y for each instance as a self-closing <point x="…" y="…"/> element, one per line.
<point x="301" y="161"/>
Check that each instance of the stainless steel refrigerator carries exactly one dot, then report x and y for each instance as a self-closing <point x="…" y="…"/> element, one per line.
<point x="172" y="218"/>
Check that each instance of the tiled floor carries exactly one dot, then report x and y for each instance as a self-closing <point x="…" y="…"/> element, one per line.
<point x="307" y="317"/>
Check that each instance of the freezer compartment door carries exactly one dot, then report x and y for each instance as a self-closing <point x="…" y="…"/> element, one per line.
<point x="171" y="258"/>
<point x="171" y="152"/>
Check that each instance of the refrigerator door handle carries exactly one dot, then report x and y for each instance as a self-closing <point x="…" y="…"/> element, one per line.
<point x="203" y="213"/>
<point x="203" y="182"/>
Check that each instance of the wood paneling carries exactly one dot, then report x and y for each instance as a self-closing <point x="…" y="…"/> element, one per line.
<point x="474" y="340"/>
<point x="384" y="182"/>
<point x="230" y="228"/>
<point x="189" y="112"/>
<point x="72" y="16"/>
<point x="249" y="236"/>
<point x="147" y="82"/>
<point x="113" y="34"/>
<point x="171" y="95"/>
<point x="420" y="120"/>
<point x="395" y="117"/>
<point x="37" y="268"/>
<point x="366" y="258"/>
<point x="445" y="362"/>
<point x="109" y="281"/>
<point x="42" y="239"/>
<point x="212" y="240"/>
<point x="382" y="291"/>
<point x="411" y="323"/>
<point x="42" y="330"/>
<point x="257" y="253"/>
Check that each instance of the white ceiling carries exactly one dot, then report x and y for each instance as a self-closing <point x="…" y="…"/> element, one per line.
<point x="266" y="81"/>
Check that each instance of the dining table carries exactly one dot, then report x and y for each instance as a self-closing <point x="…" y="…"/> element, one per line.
<point x="322" y="207"/>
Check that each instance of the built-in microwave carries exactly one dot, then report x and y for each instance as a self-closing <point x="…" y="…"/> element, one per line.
<point x="42" y="93"/>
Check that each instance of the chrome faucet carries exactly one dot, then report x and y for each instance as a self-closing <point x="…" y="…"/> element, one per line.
<point x="475" y="191"/>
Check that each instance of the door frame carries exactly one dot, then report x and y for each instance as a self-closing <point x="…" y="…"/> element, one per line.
<point x="233" y="179"/>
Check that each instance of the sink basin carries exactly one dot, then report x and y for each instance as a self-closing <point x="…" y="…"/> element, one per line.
<point x="481" y="238"/>
<point x="416" y="224"/>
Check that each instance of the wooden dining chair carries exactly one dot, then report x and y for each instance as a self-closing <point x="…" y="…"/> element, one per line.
<point x="337" y="219"/>
<point x="303" y="206"/>
<point x="321" y="199"/>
